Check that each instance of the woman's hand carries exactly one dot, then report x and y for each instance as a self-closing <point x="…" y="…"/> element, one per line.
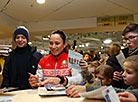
<point x="84" y="65"/>
<point x="52" y="81"/>
<point x="117" y="76"/>
<point x="126" y="97"/>
<point x="73" y="90"/>
<point x="33" y="80"/>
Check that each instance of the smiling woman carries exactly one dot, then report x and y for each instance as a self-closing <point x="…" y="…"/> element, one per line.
<point x="57" y="42"/>
<point x="55" y="64"/>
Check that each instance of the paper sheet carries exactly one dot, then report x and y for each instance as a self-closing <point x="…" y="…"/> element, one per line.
<point x="42" y="91"/>
<point x="110" y="95"/>
<point x="74" y="59"/>
<point x="120" y="58"/>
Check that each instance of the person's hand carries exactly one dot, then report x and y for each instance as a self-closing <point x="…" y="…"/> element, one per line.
<point x="84" y="65"/>
<point x="117" y="76"/>
<point x="33" y="80"/>
<point x="52" y="81"/>
<point x="126" y="97"/>
<point x="73" y="90"/>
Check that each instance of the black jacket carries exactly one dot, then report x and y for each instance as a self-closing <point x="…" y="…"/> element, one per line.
<point x="112" y="61"/>
<point x="18" y="64"/>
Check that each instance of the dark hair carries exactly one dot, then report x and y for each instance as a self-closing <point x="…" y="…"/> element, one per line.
<point x="86" y="53"/>
<point x="130" y="28"/>
<point x="68" y="46"/>
<point x="94" y="64"/>
<point x="80" y="51"/>
<point x="61" y="33"/>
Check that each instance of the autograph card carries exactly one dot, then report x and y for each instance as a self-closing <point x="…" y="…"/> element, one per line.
<point x="74" y="59"/>
<point x="110" y="94"/>
<point x="120" y="58"/>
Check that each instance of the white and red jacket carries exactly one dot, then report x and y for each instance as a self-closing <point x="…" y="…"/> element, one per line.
<point x="51" y="66"/>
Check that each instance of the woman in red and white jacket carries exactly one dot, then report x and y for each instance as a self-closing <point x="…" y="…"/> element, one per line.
<point x="55" y="65"/>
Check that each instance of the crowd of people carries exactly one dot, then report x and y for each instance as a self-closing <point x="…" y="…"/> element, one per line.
<point x="53" y="69"/>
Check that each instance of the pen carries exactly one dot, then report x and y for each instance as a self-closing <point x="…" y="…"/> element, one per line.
<point x="30" y="73"/>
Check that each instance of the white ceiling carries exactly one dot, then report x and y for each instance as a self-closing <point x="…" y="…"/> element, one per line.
<point x="29" y="13"/>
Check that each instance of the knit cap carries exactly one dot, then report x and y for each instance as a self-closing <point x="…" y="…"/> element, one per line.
<point x="21" y="30"/>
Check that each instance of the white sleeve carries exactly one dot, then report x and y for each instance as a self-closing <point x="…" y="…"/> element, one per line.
<point x="76" y="77"/>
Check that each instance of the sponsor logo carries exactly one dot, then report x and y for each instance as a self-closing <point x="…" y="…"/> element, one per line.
<point x="64" y="63"/>
<point x="48" y="64"/>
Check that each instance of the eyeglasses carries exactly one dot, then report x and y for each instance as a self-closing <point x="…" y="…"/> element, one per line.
<point x="130" y="38"/>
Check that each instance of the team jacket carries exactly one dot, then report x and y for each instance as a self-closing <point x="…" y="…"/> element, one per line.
<point x="51" y="66"/>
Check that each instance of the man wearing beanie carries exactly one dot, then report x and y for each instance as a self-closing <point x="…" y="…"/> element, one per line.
<point x="21" y="60"/>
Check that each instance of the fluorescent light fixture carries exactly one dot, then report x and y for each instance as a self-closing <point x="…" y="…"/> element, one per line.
<point x="48" y="36"/>
<point x="124" y="44"/>
<point x="29" y="43"/>
<point x="87" y="44"/>
<point x="45" y="38"/>
<point x="107" y="41"/>
<point x="100" y="52"/>
<point x="40" y="1"/>
<point x="80" y="46"/>
<point x="122" y="47"/>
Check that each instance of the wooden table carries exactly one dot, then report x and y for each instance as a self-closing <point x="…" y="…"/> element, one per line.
<point x="31" y="95"/>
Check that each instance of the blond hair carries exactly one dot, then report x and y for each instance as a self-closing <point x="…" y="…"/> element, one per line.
<point x="134" y="60"/>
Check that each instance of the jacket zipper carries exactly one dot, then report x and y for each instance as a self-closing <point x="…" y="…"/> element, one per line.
<point x="55" y="67"/>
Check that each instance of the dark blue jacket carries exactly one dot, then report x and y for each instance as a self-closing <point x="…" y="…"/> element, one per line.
<point x="18" y="64"/>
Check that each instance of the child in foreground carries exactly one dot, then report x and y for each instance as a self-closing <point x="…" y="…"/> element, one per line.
<point x="130" y="77"/>
<point x="103" y="77"/>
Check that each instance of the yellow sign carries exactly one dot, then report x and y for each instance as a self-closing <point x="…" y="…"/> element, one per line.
<point x="115" y="20"/>
<point x="105" y="21"/>
<point x="123" y="20"/>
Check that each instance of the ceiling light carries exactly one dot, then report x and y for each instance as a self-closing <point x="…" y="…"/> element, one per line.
<point x="29" y="43"/>
<point x="107" y="41"/>
<point x="80" y="46"/>
<point x="102" y="47"/>
<point x="122" y="47"/>
<point x="48" y="36"/>
<point x="87" y="44"/>
<point x="40" y="1"/>
<point x="45" y="38"/>
<point x="100" y="52"/>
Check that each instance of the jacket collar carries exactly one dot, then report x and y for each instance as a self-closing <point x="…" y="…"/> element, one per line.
<point x="59" y="53"/>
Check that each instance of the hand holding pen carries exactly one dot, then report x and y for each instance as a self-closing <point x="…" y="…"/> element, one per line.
<point x="33" y="80"/>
